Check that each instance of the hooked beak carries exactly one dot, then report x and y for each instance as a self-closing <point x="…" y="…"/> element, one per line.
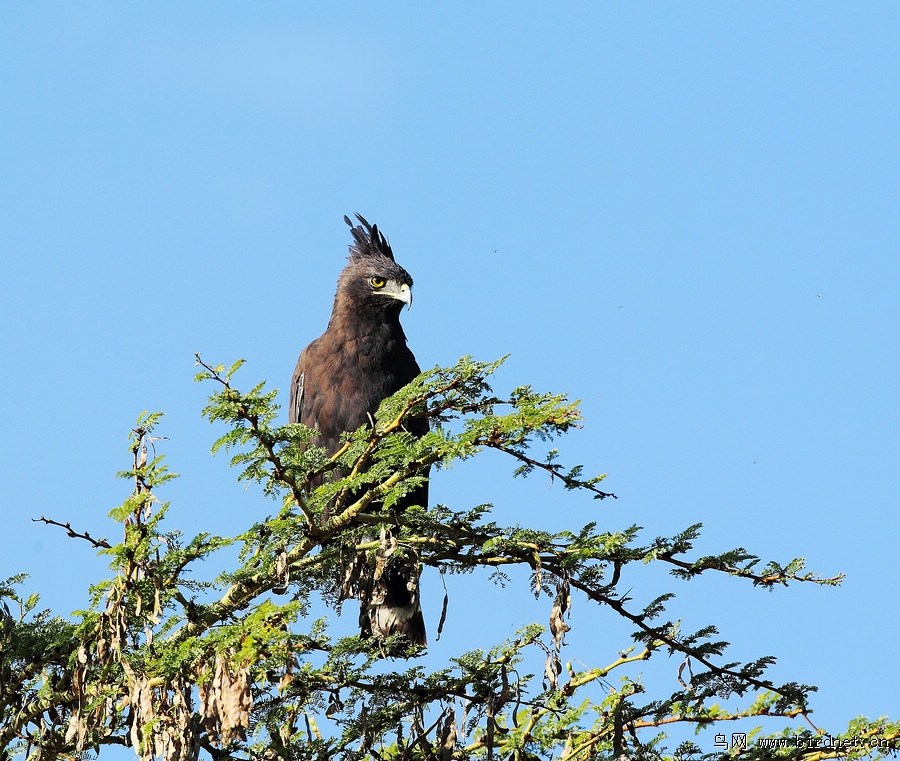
<point x="393" y="291"/>
<point x="405" y="295"/>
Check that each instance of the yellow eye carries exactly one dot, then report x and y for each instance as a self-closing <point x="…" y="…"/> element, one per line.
<point x="378" y="282"/>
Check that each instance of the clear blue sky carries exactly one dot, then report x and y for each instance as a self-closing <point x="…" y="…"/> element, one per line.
<point x="684" y="214"/>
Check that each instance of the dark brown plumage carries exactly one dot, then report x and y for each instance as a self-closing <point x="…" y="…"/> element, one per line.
<point x="337" y="386"/>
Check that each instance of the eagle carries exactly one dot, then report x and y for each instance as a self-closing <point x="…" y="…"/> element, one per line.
<point x="340" y="380"/>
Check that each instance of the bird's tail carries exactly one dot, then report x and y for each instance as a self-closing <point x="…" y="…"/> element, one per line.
<point x="388" y="593"/>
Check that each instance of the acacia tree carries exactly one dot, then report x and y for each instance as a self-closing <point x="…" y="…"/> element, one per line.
<point x="179" y="665"/>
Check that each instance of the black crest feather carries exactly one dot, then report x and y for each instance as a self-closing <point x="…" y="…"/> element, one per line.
<point x="368" y="240"/>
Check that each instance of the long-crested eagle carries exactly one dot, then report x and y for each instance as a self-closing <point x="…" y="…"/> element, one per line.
<point x="340" y="380"/>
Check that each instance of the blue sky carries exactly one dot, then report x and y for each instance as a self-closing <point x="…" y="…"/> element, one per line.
<point x="683" y="214"/>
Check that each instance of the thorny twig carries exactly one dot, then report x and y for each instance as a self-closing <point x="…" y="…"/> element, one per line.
<point x="97" y="543"/>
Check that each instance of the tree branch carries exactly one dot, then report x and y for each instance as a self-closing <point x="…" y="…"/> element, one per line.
<point x="97" y="543"/>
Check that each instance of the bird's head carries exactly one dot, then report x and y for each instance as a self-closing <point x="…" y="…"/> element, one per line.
<point x="372" y="277"/>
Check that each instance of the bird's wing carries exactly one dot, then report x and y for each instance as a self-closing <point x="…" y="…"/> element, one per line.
<point x="315" y="401"/>
<point x="295" y="405"/>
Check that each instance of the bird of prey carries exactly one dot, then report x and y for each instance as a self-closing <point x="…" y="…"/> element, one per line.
<point x="338" y="383"/>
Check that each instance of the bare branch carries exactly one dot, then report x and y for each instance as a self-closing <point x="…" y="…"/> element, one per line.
<point x="97" y="543"/>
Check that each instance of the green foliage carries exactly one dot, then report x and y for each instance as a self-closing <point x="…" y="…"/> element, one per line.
<point x="177" y="665"/>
